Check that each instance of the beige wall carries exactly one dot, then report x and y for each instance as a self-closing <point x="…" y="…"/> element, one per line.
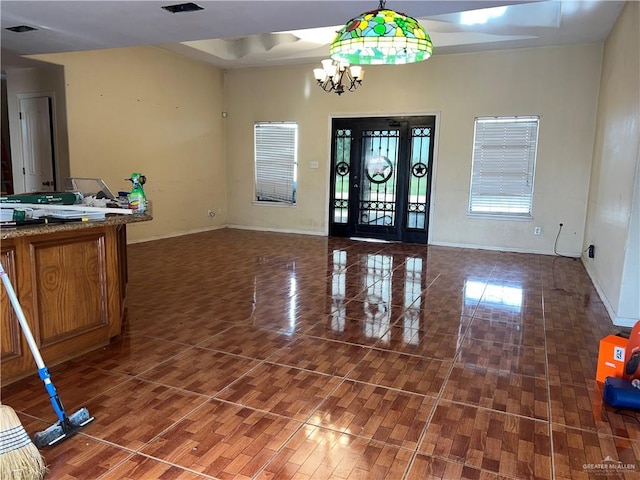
<point x="560" y="84"/>
<point x="614" y="175"/>
<point x="147" y="110"/>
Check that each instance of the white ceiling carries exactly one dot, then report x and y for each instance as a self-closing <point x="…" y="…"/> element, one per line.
<point x="234" y="34"/>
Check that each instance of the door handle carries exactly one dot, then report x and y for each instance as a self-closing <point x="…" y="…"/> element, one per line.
<point x="47" y="183"/>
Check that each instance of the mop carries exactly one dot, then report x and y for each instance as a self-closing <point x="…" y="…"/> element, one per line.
<point x="66" y="425"/>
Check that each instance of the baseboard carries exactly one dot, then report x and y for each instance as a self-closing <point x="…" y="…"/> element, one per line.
<point x="502" y="249"/>
<point x="175" y="234"/>
<point x="617" y="321"/>
<point x="278" y="230"/>
<point x="625" y="322"/>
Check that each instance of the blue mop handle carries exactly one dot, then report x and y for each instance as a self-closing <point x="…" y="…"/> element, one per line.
<point x="43" y="371"/>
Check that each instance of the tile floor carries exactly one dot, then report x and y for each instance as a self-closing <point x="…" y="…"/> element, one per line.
<point x="273" y="356"/>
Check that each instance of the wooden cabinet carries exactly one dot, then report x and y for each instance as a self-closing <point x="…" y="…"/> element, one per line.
<point x="71" y="286"/>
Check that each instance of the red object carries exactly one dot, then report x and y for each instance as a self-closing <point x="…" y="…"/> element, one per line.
<point x="611" y="357"/>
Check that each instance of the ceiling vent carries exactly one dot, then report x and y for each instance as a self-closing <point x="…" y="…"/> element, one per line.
<point x="21" y="28"/>
<point x="183" y="7"/>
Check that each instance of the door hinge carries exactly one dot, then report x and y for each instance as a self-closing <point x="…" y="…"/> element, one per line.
<point x="24" y="172"/>
<point x="20" y="115"/>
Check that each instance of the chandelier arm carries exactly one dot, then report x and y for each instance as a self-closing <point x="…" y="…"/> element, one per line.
<point x="327" y="85"/>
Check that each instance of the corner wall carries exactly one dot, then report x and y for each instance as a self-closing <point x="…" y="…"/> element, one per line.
<point x="147" y="110"/>
<point x="612" y="216"/>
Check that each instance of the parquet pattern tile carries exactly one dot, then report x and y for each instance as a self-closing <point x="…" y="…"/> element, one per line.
<point x="504" y="392"/>
<point x="410" y="373"/>
<point x="201" y="370"/>
<point x="189" y="329"/>
<point x="526" y="334"/>
<point x="283" y="390"/>
<point x="256" y="342"/>
<point x="503" y="358"/>
<point x="139" y="467"/>
<point x="223" y="440"/>
<point x="349" y="330"/>
<point x="375" y="412"/>
<point x="134" y="412"/>
<point x="322" y="454"/>
<point x="404" y="339"/>
<point x="280" y="356"/>
<point x="133" y="354"/>
<point x="426" y="467"/>
<point x="484" y="439"/>
<point x="580" y="454"/>
<point x="322" y="356"/>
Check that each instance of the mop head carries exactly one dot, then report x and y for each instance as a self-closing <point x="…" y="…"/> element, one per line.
<point x="19" y="457"/>
<point x="59" y="431"/>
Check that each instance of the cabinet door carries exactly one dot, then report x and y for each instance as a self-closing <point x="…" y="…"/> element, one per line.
<point x="68" y="285"/>
<point x="14" y="351"/>
<point x="70" y="291"/>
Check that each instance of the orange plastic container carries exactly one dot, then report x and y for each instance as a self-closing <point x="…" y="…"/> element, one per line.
<point x="611" y="357"/>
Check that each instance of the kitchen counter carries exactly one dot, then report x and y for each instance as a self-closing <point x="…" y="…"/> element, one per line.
<point x="13" y="232"/>
<point x="71" y="282"/>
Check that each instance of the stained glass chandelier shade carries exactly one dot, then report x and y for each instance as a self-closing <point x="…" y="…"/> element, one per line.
<point x="381" y="36"/>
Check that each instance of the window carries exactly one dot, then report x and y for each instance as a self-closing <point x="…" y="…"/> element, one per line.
<point x="504" y="158"/>
<point x="276" y="162"/>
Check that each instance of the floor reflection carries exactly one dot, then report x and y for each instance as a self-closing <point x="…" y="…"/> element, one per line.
<point x="378" y="288"/>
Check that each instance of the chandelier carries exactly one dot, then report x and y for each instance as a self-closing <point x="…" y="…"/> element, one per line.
<point x="381" y="36"/>
<point x="338" y="77"/>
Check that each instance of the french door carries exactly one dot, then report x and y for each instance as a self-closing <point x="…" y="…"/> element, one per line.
<point x="381" y="177"/>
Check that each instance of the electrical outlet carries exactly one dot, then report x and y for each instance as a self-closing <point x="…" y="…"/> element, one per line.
<point x="591" y="251"/>
<point x="537" y="231"/>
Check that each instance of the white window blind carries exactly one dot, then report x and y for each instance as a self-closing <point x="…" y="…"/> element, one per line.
<point x="276" y="161"/>
<point x="502" y="173"/>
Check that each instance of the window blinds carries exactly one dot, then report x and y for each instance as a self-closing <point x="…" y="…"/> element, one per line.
<point x="504" y="157"/>
<point x="275" y="161"/>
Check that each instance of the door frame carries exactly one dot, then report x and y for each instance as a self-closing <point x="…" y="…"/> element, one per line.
<point x="434" y="167"/>
<point x="19" y="178"/>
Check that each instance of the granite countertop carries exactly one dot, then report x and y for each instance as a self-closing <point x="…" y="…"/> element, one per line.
<point x="111" y="219"/>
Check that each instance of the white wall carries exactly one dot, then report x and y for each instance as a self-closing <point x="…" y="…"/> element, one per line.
<point x="614" y="177"/>
<point x="558" y="83"/>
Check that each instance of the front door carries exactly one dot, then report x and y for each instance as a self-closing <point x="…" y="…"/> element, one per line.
<point x="381" y="178"/>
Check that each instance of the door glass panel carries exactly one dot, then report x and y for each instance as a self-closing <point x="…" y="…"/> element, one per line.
<point x="379" y="177"/>
<point x="418" y="185"/>
<point x="341" y="171"/>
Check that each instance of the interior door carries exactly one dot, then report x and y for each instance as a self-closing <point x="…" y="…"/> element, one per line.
<point x="37" y="148"/>
<point x="381" y="178"/>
